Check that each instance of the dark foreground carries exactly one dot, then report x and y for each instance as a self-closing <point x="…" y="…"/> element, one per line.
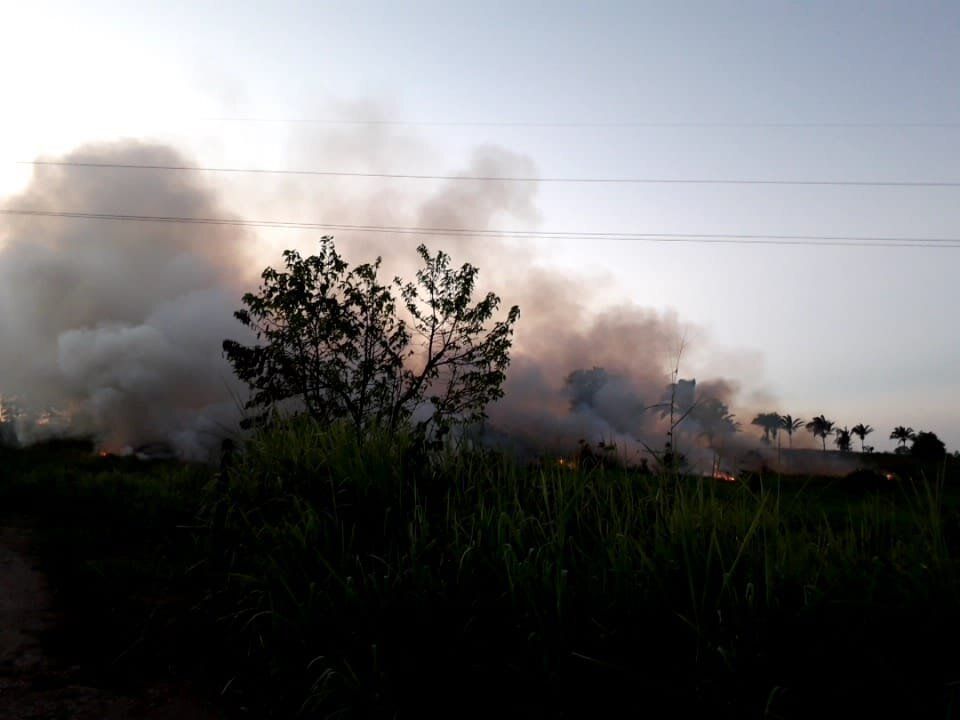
<point x="317" y="578"/>
<point x="36" y="684"/>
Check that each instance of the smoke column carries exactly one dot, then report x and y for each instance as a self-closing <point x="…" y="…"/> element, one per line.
<point x="122" y="322"/>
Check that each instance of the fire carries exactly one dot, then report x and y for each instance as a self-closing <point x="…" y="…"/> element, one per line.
<point x="724" y="476"/>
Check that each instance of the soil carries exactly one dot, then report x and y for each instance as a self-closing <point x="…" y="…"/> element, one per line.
<point x="34" y="685"/>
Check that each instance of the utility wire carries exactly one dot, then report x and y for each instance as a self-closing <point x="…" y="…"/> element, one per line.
<point x="601" y="124"/>
<point x="498" y="178"/>
<point x="796" y="240"/>
<point x="587" y="124"/>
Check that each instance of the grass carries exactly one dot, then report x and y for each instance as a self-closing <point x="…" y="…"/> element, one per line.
<point x="325" y="577"/>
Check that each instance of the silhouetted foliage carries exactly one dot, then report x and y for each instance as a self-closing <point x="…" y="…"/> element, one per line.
<point x="715" y="420"/>
<point x="332" y="338"/>
<point x="790" y="425"/>
<point x="927" y="446"/>
<point x="901" y="434"/>
<point x="770" y="423"/>
<point x="843" y="439"/>
<point x="603" y="456"/>
<point x="869" y="479"/>
<point x="822" y="428"/>
<point x="861" y="431"/>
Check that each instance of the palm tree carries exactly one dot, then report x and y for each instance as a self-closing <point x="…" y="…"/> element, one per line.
<point x="717" y="423"/>
<point x="820" y="427"/>
<point x="843" y="440"/>
<point x="790" y="425"/>
<point x="770" y="422"/>
<point x="902" y="434"/>
<point x="861" y="431"/>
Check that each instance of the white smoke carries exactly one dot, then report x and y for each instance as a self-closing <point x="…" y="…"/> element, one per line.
<point x="122" y="322"/>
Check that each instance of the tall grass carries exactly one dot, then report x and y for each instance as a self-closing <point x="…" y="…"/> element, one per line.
<point x="365" y="578"/>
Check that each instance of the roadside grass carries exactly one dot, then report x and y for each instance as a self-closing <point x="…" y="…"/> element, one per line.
<point x="369" y="581"/>
<point x="321" y="576"/>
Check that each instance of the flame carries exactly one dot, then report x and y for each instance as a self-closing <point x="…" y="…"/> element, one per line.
<point x="724" y="476"/>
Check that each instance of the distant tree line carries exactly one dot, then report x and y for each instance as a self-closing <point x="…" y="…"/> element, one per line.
<point x="924" y="444"/>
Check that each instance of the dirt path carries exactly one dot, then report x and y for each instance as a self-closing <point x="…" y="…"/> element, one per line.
<point x="34" y="686"/>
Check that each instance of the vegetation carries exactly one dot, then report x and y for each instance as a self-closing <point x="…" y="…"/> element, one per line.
<point x="902" y="434"/>
<point x="322" y="574"/>
<point x="861" y="431"/>
<point x="927" y="446"/>
<point x="843" y="439"/>
<point x="822" y="428"/>
<point x="331" y="340"/>
<point x="771" y="425"/>
<point x="790" y="425"/>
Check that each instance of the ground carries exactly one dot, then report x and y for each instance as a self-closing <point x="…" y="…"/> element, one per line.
<point x="35" y="684"/>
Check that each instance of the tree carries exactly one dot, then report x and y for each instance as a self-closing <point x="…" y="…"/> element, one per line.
<point x="790" y="425"/>
<point x="332" y="340"/>
<point x="861" y="431"/>
<point x="716" y="424"/>
<point x="843" y="439"/>
<point x="927" y="446"/>
<point x="715" y="419"/>
<point x="770" y="422"/>
<point x="901" y="434"/>
<point x="820" y="427"/>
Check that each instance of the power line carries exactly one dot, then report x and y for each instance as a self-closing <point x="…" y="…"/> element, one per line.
<point x="499" y="178"/>
<point x="586" y="124"/>
<point x="560" y="124"/>
<point x="796" y="240"/>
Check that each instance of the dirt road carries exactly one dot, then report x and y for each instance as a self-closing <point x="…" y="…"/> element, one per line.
<point x="34" y="686"/>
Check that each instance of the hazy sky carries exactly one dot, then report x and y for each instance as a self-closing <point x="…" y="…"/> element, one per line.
<point x="862" y="334"/>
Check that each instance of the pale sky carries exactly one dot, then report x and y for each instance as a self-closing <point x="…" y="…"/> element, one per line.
<point x="862" y="334"/>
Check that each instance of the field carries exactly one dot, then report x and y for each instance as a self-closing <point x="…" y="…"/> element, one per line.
<point x="316" y="576"/>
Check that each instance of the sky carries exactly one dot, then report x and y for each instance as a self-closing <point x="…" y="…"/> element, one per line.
<point x="862" y="334"/>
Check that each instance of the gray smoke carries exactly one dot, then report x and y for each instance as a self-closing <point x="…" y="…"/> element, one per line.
<point x="122" y="322"/>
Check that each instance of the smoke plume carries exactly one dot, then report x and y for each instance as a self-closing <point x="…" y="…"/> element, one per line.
<point x="122" y="322"/>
